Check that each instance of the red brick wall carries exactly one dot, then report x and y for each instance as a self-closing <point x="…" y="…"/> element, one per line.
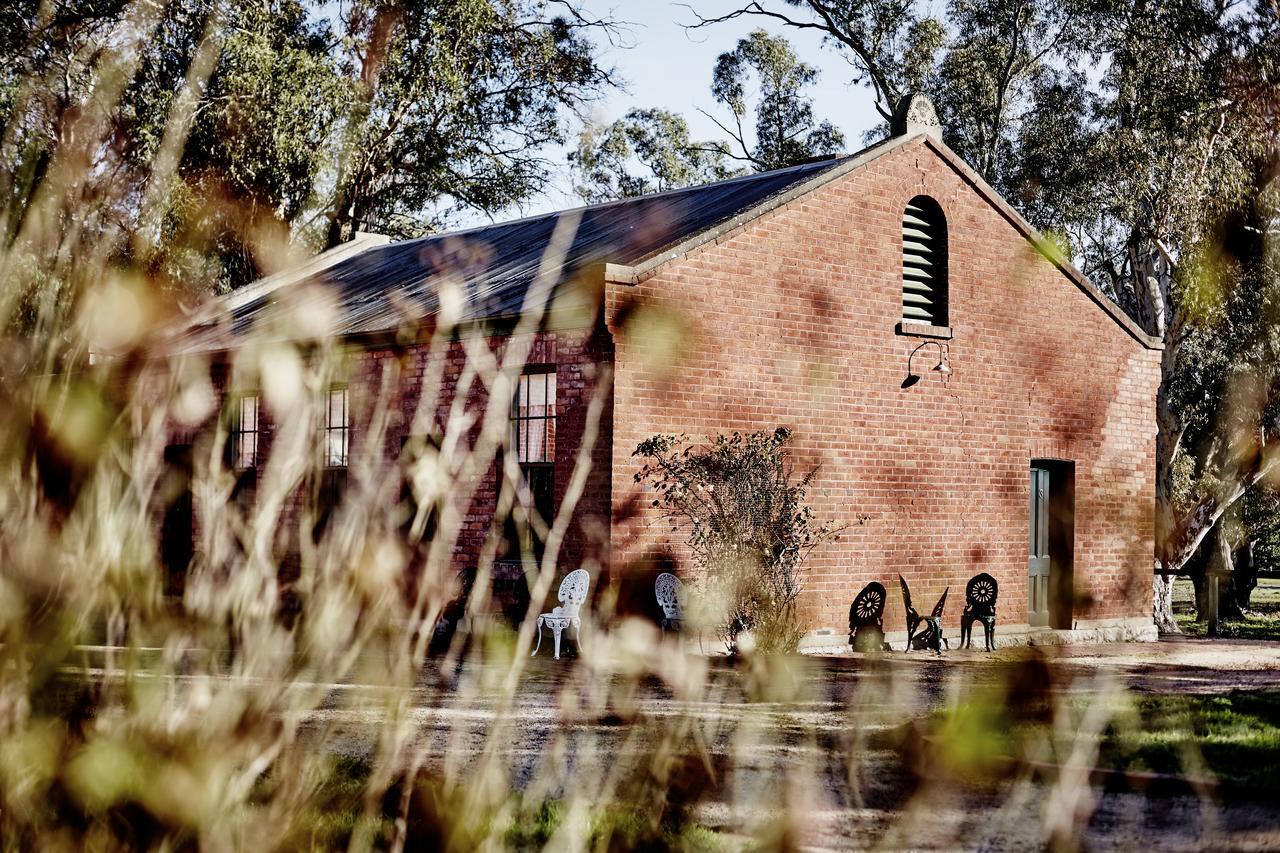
<point x="790" y="321"/>
<point x="367" y="371"/>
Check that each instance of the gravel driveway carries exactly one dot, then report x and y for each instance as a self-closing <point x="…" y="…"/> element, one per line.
<point x="844" y="700"/>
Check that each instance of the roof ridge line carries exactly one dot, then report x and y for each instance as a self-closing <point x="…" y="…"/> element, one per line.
<point x="600" y="205"/>
<point x="649" y="264"/>
<point x="1037" y="239"/>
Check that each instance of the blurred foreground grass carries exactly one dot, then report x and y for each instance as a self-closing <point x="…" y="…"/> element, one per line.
<point x="340" y="802"/>
<point x="1232" y="739"/>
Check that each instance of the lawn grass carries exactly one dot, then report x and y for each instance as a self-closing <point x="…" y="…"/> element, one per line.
<point x="1263" y="624"/>
<point x="1233" y="738"/>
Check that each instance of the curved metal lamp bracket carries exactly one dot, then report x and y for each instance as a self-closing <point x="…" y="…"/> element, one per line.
<point x="943" y="367"/>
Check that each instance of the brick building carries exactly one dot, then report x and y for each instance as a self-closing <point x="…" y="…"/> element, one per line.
<point x="973" y="402"/>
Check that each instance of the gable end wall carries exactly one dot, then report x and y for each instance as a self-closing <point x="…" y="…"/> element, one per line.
<point x="790" y="321"/>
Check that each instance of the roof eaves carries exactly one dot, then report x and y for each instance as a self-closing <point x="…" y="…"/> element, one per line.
<point x="362" y="243"/>
<point x="207" y="318"/>
<point x="619" y="273"/>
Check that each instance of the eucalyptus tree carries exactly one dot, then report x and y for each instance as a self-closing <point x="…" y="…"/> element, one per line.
<point x="981" y="64"/>
<point x="214" y="115"/>
<point x="645" y="151"/>
<point x="888" y="43"/>
<point x="999" y="60"/>
<point x="770" y="124"/>
<point x="780" y="128"/>
<point x="1183" y="154"/>
<point x="258" y="137"/>
<point x="245" y="127"/>
<point x="452" y="104"/>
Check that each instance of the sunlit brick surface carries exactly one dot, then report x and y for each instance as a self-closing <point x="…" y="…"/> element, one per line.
<point x="792" y="323"/>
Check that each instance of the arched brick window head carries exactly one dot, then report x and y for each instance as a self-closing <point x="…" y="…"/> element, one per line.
<point x="924" y="262"/>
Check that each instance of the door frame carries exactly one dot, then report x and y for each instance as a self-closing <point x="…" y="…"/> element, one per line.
<point x="1062" y="537"/>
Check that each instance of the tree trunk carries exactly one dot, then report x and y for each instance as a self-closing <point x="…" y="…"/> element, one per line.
<point x="1218" y="559"/>
<point x="1162" y="605"/>
<point x="1239" y="587"/>
<point x="339" y="230"/>
<point x="1201" y="596"/>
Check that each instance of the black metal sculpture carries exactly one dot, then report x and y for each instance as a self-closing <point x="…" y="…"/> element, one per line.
<point x="866" y="619"/>
<point x="979" y="606"/>
<point x="931" y="635"/>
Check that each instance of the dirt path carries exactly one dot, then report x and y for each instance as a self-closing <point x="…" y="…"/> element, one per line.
<point x="835" y="702"/>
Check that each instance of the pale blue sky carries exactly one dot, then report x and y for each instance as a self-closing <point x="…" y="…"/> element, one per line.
<point x="664" y="65"/>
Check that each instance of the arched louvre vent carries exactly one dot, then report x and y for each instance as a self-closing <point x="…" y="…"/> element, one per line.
<point x="924" y="263"/>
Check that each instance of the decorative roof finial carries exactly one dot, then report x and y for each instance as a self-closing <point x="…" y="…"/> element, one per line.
<point x="915" y="114"/>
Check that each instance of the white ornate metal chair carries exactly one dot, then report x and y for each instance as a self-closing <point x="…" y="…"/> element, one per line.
<point x="669" y="591"/>
<point x="572" y="595"/>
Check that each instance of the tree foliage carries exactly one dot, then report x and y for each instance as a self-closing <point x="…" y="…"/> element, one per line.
<point x="242" y="127"/>
<point x="453" y="102"/>
<point x="890" y="44"/>
<point x="259" y="135"/>
<point x="657" y="142"/>
<point x="785" y="129"/>
<point x="771" y="124"/>
<point x="749" y="528"/>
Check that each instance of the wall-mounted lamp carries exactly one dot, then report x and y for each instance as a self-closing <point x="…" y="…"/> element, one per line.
<point x="942" y="368"/>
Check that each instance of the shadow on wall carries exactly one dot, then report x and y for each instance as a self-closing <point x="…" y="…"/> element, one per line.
<point x="635" y="584"/>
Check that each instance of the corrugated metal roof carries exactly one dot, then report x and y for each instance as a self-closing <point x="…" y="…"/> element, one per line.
<point x="496" y="264"/>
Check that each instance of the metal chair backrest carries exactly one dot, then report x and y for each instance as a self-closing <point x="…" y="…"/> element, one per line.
<point x="573" y="591"/>
<point x="868" y="607"/>
<point x="980" y="594"/>
<point x="668" y="589"/>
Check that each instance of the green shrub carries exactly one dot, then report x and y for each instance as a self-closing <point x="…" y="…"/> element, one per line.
<point x="749" y="530"/>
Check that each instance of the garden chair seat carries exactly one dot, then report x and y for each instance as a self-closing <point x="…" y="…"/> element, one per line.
<point x="931" y="636"/>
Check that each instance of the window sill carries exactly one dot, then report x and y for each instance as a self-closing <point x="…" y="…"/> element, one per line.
<point x="922" y="330"/>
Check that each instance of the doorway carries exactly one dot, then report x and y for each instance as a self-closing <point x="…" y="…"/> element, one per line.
<point x="1050" y="565"/>
<point x="177" y="529"/>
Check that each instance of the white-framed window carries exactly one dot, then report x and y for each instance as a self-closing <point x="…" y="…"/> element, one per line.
<point x="533" y="417"/>
<point x="533" y="441"/>
<point x="245" y="429"/>
<point x="337" y="429"/>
